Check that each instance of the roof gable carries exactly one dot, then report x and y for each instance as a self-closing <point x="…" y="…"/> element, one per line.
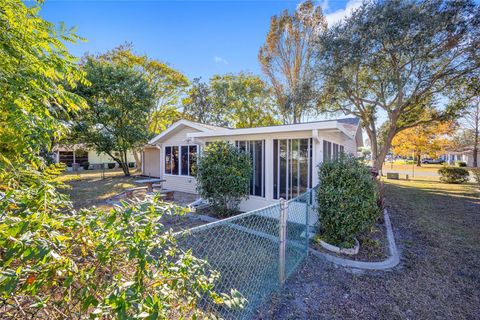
<point x="182" y="124"/>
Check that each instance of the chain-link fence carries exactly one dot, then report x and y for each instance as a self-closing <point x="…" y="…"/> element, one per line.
<point x="254" y="252"/>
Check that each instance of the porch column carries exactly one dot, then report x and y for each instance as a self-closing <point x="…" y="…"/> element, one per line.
<point x="57" y="157"/>
<point x="317" y="156"/>
<point x="269" y="168"/>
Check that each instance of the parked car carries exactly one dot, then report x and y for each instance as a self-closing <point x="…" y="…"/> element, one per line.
<point x="432" y="161"/>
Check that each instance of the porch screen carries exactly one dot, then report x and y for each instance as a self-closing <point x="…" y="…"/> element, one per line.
<point x="256" y="150"/>
<point x="292" y="167"/>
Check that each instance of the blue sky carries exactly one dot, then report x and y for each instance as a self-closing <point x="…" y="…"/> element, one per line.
<point x="199" y="38"/>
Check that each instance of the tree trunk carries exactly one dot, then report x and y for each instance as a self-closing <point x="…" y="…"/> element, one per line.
<point x="124" y="164"/>
<point x="385" y="148"/>
<point x="476" y="136"/>
<point x="373" y="146"/>
<point x="138" y="159"/>
<point x="419" y="162"/>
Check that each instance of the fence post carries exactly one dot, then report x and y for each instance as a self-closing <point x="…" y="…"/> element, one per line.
<point x="283" y="240"/>
<point x="307" y="220"/>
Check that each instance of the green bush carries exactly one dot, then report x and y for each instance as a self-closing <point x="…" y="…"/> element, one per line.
<point x="116" y="264"/>
<point x="347" y="200"/>
<point x="453" y="175"/>
<point x="476" y="174"/>
<point x="461" y="163"/>
<point x="223" y="176"/>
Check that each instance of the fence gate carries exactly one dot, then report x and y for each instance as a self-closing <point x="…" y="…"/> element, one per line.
<point x="254" y="252"/>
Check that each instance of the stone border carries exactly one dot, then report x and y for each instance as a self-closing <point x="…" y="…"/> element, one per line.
<point x="392" y="261"/>
<point x="347" y="251"/>
<point x="389" y="263"/>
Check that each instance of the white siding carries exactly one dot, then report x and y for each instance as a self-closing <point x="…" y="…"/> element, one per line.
<point x="95" y="158"/>
<point x="177" y="182"/>
<point x="188" y="184"/>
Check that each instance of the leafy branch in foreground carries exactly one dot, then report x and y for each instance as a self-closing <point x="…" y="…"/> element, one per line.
<point x="122" y="263"/>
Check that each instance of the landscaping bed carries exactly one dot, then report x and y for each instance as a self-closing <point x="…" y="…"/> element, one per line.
<point x="373" y="245"/>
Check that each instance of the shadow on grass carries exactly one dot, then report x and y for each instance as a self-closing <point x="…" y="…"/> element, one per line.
<point x="447" y="216"/>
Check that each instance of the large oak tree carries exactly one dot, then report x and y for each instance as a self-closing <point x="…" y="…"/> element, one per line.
<point x="397" y="58"/>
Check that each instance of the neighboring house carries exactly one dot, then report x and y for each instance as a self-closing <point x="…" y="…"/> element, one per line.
<point x="80" y="155"/>
<point x="463" y="155"/>
<point x="284" y="156"/>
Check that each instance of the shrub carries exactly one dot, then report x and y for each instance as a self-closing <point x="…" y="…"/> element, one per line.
<point x="453" y="175"/>
<point x="111" y="165"/>
<point x="461" y="164"/>
<point x="85" y="165"/>
<point x="347" y="200"/>
<point x="223" y="176"/>
<point x="476" y="175"/>
<point x="116" y="264"/>
<point x="131" y="164"/>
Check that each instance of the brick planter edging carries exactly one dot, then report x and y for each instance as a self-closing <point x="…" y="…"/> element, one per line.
<point x="388" y="263"/>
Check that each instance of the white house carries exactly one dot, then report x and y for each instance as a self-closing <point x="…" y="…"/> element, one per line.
<point x="81" y="155"/>
<point x="462" y="154"/>
<point x="284" y="157"/>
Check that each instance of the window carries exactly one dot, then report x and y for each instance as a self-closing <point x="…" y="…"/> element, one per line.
<point x="256" y="150"/>
<point x="168" y="160"/>
<point x="292" y="167"/>
<point x="331" y="151"/>
<point x="179" y="160"/>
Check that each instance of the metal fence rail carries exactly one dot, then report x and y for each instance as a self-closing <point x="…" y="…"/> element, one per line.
<point x="254" y="252"/>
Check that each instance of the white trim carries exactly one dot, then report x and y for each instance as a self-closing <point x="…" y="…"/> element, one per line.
<point x="325" y="125"/>
<point x="179" y="146"/>
<point x="186" y="123"/>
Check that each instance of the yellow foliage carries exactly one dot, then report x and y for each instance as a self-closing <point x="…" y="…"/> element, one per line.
<point x="427" y="139"/>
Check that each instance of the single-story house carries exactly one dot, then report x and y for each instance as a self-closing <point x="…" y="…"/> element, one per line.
<point x="462" y="155"/>
<point x="284" y="157"/>
<point x="79" y="154"/>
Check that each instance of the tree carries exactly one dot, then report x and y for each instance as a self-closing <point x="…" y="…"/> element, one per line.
<point x="244" y="100"/>
<point x="197" y="105"/>
<point x="35" y="67"/>
<point x="223" y="175"/>
<point x="287" y="57"/>
<point x="469" y="135"/>
<point x="230" y="100"/>
<point x="399" y="58"/>
<point x="120" y="101"/>
<point x="166" y="83"/>
<point x="425" y="139"/>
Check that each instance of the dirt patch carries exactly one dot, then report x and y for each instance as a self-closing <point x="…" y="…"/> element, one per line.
<point x="181" y="222"/>
<point x="218" y="214"/>
<point x="373" y="246"/>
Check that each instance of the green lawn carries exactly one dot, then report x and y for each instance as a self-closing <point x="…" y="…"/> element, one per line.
<point x="88" y="188"/>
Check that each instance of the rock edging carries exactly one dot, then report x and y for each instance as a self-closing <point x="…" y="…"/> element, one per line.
<point x="392" y="261"/>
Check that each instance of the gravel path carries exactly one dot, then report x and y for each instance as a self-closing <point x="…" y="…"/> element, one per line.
<point x="437" y="231"/>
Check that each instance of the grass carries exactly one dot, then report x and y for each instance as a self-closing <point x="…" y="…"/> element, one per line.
<point x="409" y="167"/>
<point x="88" y="188"/>
<point x="436" y="227"/>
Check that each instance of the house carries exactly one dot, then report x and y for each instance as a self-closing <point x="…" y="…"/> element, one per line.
<point x="284" y="157"/>
<point x="462" y="155"/>
<point x="81" y="156"/>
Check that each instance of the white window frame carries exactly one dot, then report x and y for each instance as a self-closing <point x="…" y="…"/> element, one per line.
<point x="247" y="149"/>
<point x="288" y="165"/>
<point x="179" y="146"/>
